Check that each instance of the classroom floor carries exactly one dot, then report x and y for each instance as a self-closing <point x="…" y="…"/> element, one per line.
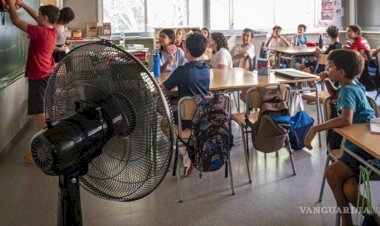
<point x="275" y="197"/>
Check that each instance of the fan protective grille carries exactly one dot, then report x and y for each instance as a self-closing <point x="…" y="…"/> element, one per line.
<point x="132" y="166"/>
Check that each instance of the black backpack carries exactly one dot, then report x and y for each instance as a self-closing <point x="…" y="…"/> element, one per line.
<point x="370" y="76"/>
<point x="211" y="138"/>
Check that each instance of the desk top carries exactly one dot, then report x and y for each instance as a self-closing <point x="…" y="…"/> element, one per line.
<point x="296" y="50"/>
<point x="360" y="135"/>
<point x="239" y="78"/>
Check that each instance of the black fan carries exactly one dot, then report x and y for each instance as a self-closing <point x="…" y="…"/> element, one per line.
<point x="109" y="129"/>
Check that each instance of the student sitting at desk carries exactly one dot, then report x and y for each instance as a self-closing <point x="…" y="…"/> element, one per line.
<point x="300" y="38"/>
<point x="62" y="47"/>
<point x="179" y="38"/>
<point x="169" y="61"/>
<point x="352" y="107"/>
<point x="191" y="79"/>
<point x="332" y="32"/>
<point x="274" y="41"/>
<point x="221" y="57"/>
<point x="244" y="50"/>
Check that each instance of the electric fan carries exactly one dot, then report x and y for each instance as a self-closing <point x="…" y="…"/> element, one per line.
<point x="108" y="129"/>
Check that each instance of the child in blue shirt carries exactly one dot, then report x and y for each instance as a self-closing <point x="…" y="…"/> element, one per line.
<point x="300" y="38"/>
<point x="191" y="79"/>
<point x="352" y="107"/>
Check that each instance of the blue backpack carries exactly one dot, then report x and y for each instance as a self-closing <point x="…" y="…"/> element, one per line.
<point x="301" y="123"/>
<point x="211" y="138"/>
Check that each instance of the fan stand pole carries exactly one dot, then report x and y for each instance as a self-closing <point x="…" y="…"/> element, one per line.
<point x="69" y="206"/>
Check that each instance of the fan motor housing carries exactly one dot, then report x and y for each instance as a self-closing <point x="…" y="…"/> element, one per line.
<point x="70" y="143"/>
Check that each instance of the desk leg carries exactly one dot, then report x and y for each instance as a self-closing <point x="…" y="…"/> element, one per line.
<point x="318" y="114"/>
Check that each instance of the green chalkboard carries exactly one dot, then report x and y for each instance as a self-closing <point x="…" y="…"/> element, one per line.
<point x="14" y="47"/>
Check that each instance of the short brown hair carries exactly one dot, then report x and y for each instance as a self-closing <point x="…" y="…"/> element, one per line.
<point x="50" y="11"/>
<point x="351" y="62"/>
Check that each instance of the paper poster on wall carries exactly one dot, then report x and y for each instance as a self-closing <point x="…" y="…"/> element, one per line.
<point x="327" y="5"/>
<point x="338" y="3"/>
<point x="327" y="15"/>
<point x="339" y="12"/>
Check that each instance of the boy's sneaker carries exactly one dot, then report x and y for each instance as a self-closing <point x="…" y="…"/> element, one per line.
<point x="28" y="158"/>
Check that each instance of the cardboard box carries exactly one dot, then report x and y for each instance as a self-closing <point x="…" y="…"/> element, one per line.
<point x="91" y="29"/>
<point x="107" y="29"/>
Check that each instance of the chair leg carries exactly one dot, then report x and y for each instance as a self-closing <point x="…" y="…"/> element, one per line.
<point x="337" y="219"/>
<point x="179" y="178"/>
<point x="290" y="155"/>
<point x="276" y="154"/>
<point x="175" y="157"/>
<point x="323" y="179"/>
<point x="231" y="178"/>
<point x="247" y="142"/>
<point x="246" y="155"/>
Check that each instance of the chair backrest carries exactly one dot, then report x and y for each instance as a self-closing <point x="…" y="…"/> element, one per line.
<point x="373" y="104"/>
<point x="187" y="108"/>
<point x="254" y="98"/>
<point x="327" y="107"/>
<point x="322" y="60"/>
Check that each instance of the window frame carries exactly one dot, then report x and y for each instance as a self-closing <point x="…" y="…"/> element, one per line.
<point x="206" y="17"/>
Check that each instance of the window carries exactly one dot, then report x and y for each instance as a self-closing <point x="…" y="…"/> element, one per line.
<point x="195" y="13"/>
<point x="304" y="11"/>
<point x="253" y="14"/>
<point x="125" y="16"/>
<point x="220" y="14"/>
<point x="167" y="13"/>
<point x="263" y="15"/>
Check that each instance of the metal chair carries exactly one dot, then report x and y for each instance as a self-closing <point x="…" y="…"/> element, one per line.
<point x="245" y="120"/>
<point x="333" y="155"/>
<point x="186" y="111"/>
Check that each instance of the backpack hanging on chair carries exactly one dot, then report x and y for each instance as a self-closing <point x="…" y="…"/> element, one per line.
<point x="370" y="76"/>
<point x="270" y="131"/>
<point x="301" y="122"/>
<point x="211" y="138"/>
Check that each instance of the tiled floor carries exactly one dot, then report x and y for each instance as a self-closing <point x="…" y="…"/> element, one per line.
<point x="275" y="197"/>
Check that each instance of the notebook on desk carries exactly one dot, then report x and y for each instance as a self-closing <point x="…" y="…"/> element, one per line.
<point x="293" y="73"/>
<point x="374" y="125"/>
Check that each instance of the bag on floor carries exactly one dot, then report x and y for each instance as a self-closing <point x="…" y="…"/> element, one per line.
<point x="211" y="138"/>
<point x="269" y="132"/>
<point x="301" y="123"/>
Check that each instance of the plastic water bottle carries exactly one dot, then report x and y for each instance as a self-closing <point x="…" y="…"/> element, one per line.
<point x="122" y="40"/>
<point x="156" y="66"/>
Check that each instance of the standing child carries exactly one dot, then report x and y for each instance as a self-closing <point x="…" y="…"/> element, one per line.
<point x="300" y="38"/>
<point x="179" y="38"/>
<point x="40" y="62"/>
<point x="191" y="79"/>
<point x="221" y="56"/>
<point x="169" y="61"/>
<point x="244" y="50"/>
<point x="352" y="107"/>
<point x="66" y="15"/>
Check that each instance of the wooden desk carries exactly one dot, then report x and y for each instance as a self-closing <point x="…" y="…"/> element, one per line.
<point x="360" y="135"/>
<point x="293" y="51"/>
<point x="234" y="79"/>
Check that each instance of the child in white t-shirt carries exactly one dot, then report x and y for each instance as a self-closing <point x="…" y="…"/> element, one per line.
<point x="221" y="56"/>
<point x="242" y="51"/>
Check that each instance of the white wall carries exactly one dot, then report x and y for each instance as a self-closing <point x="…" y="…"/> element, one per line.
<point x="13" y="110"/>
